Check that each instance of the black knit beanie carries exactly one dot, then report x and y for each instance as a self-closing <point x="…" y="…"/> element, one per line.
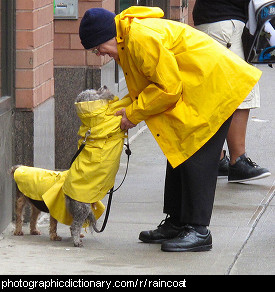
<point x="97" y="27"/>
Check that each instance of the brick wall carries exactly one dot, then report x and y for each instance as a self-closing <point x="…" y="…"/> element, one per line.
<point x="34" y="52"/>
<point x="191" y="4"/>
<point x="178" y="12"/>
<point x="68" y="50"/>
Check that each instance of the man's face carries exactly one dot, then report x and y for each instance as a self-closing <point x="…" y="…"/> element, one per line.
<point x="109" y="48"/>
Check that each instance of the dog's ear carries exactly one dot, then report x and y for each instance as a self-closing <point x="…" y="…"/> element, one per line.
<point x="105" y="93"/>
<point x="103" y="89"/>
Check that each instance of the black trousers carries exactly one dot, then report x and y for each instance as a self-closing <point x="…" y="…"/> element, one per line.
<point x="190" y="188"/>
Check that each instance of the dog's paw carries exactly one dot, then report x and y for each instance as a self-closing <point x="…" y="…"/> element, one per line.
<point x="35" y="232"/>
<point x="78" y="243"/>
<point x="18" y="233"/>
<point x="55" y="237"/>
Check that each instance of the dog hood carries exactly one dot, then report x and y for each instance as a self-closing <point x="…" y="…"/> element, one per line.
<point x="96" y="116"/>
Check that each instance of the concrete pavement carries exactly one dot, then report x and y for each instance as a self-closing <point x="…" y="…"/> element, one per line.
<point x="242" y="224"/>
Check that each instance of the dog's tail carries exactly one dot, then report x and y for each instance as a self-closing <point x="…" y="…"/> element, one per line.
<point x="91" y="220"/>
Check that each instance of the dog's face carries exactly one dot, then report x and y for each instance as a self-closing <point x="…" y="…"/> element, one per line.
<point x="92" y="94"/>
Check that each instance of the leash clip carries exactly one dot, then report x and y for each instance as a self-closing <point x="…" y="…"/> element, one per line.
<point x="88" y="133"/>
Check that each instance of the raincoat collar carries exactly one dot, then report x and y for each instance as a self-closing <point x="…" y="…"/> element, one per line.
<point x="125" y="18"/>
<point x="95" y="107"/>
<point x="91" y="107"/>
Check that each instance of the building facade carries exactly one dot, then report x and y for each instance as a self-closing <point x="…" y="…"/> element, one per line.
<point x="43" y="68"/>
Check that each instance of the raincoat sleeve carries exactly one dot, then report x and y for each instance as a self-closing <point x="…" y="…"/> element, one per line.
<point x="117" y="104"/>
<point x="158" y="64"/>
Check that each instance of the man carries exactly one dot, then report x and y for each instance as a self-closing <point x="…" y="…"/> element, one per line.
<point x="185" y="86"/>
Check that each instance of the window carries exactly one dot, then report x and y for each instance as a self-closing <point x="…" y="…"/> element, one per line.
<point x="7" y="49"/>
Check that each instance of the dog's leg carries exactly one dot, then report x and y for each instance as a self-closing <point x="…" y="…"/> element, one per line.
<point x="79" y="216"/>
<point x="33" y="222"/>
<point x="75" y="231"/>
<point x="19" y="208"/>
<point x="80" y="212"/>
<point x="53" y="229"/>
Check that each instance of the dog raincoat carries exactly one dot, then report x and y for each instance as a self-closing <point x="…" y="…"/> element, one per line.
<point x="183" y="83"/>
<point x="93" y="172"/>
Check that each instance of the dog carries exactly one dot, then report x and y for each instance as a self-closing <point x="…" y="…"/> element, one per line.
<point x="69" y="196"/>
<point x="82" y="212"/>
<point x="21" y="202"/>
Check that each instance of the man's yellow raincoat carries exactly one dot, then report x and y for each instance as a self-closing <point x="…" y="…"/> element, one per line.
<point x="183" y="83"/>
<point x="93" y="172"/>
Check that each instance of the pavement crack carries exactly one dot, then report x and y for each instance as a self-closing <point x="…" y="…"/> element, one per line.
<point x="260" y="211"/>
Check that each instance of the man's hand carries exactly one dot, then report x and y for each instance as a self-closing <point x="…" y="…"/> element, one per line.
<point x="125" y="123"/>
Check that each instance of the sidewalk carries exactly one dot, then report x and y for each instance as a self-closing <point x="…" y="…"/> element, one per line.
<point x="242" y="224"/>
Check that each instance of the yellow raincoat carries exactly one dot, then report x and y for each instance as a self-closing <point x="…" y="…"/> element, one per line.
<point x="183" y="83"/>
<point x="93" y="172"/>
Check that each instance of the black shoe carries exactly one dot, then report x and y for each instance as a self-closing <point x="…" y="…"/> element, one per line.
<point x="189" y="240"/>
<point x="244" y="170"/>
<point x="223" y="166"/>
<point x="166" y="230"/>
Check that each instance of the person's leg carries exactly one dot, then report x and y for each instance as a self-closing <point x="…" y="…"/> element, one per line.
<point x="198" y="182"/>
<point x="198" y="176"/>
<point x="235" y="140"/>
<point x="237" y="133"/>
<point x="189" y="192"/>
<point x="172" y="192"/>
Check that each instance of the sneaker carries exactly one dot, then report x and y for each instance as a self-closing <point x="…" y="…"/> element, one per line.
<point x="223" y="166"/>
<point x="165" y="230"/>
<point x="189" y="240"/>
<point x="244" y="170"/>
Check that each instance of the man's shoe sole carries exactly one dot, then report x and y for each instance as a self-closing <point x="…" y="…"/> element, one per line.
<point x="193" y="249"/>
<point x="263" y="175"/>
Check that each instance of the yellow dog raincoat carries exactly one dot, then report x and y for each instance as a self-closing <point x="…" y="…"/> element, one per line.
<point x="93" y="172"/>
